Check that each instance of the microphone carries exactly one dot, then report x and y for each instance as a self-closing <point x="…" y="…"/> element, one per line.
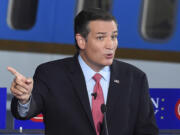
<point x="103" y="110"/>
<point x="94" y="95"/>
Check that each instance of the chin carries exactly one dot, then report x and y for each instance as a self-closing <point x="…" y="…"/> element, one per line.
<point x="108" y="63"/>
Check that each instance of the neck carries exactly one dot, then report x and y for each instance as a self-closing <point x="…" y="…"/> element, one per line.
<point x="93" y="66"/>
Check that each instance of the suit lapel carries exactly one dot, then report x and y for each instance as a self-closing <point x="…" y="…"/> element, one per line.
<point x="78" y="82"/>
<point x="116" y="92"/>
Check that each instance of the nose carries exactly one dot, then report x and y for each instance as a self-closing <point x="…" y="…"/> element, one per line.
<point x="110" y="44"/>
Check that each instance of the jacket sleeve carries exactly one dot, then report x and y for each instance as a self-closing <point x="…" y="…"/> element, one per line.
<point x="37" y="100"/>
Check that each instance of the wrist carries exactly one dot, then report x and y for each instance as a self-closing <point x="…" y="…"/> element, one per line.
<point x="24" y="101"/>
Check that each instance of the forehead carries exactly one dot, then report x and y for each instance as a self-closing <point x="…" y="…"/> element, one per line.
<point x="102" y="26"/>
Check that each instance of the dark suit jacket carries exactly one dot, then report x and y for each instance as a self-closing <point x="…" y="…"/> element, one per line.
<point x="60" y="94"/>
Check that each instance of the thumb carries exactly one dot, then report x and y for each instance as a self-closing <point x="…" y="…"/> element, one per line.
<point x="29" y="80"/>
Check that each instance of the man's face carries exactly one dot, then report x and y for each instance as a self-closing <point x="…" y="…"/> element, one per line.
<point x="99" y="48"/>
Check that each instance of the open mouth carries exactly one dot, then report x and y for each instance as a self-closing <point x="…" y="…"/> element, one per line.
<point x="109" y="56"/>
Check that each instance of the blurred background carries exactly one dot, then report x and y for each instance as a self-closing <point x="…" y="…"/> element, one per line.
<point x="36" y="31"/>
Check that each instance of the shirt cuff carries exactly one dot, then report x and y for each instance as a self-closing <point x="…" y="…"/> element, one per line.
<point x="23" y="108"/>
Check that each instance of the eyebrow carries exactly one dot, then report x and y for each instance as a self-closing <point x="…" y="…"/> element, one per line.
<point x="104" y="33"/>
<point x="114" y="32"/>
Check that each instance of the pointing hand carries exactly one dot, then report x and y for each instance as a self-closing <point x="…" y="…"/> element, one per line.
<point x="21" y="86"/>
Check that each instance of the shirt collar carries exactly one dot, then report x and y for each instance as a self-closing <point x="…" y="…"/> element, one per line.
<point x="89" y="72"/>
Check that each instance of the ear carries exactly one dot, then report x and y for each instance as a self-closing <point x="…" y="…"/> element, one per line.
<point x="80" y="41"/>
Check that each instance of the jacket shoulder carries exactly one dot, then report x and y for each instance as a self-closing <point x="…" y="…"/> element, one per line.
<point x="56" y="63"/>
<point x="52" y="67"/>
<point x="127" y="68"/>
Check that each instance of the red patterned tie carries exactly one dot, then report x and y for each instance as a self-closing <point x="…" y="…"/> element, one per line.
<point x="97" y="101"/>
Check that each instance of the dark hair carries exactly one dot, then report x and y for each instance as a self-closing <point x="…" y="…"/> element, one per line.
<point x="82" y="20"/>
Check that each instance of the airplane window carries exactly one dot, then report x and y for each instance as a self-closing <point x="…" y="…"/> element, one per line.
<point x="84" y="4"/>
<point x="158" y="19"/>
<point x="22" y="14"/>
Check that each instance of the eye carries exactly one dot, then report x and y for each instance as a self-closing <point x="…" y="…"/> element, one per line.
<point x="114" y="37"/>
<point x="100" y="37"/>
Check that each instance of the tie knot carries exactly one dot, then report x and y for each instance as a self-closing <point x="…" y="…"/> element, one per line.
<point x="97" y="77"/>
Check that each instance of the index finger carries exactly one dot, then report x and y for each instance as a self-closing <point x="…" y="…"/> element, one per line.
<point x="14" y="72"/>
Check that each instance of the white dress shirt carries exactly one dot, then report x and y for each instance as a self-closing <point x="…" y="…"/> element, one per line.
<point x="89" y="73"/>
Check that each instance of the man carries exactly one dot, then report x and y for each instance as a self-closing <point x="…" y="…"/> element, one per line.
<point x="70" y="92"/>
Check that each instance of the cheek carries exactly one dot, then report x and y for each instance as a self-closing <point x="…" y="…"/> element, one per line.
<point x="116" y="44"/>
<point x="95" y="48"/>
<point x="115" y="47"/>
<point x="96" y="54"/>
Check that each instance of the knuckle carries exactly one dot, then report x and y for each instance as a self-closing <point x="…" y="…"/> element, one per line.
<point x="18" y="82"/>
<point x="18" y="92"/>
